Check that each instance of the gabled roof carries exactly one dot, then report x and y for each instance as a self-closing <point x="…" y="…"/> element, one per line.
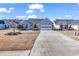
<point x="25" y="22"/>
<point x="67" y="21"/>
<point x="36" y="20"/>
<point x="46" y="21"/>
<point x="30" y="21"/>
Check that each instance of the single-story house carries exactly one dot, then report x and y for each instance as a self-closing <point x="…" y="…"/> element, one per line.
<point x="25" y="25"/>
<point x="67" y="24"/>
<point x="40" y="24"/>
<point x="6" y="23"/>
<point x="2" y="24"/>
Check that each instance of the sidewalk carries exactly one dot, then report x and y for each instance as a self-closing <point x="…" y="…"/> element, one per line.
<point x="14" y="53"/>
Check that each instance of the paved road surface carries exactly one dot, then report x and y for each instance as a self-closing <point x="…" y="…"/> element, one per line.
<point x="51" y="43"/>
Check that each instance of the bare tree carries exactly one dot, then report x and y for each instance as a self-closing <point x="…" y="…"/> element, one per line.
<point x="14" y="25"/>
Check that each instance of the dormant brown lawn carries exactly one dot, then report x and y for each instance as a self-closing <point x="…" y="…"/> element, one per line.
<point x="22" y="41"/>
<point x="70" y="34"/>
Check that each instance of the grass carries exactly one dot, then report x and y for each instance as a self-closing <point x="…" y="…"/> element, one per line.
<point x="22" y="41"/>
<point x="70" y="34"/>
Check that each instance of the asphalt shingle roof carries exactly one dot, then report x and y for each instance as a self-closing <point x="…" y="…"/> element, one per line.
<point x="67" y="21"/>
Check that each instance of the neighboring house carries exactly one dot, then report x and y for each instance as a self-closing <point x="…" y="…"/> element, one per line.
<point x="67" y="24"/>
<point x="6" y="23"/>
<point x="41" y="24"/>
<point x="2" y="24"/>
<point x="25" y="25"/>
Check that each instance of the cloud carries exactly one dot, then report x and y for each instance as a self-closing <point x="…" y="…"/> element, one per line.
<point x="6" y="10"/>
<point x="42" y="10"/>
<point x="29" y="16"/>
<point x="32" y="16"/>
<point x="36" y="6"/>
<point x="29" y="11"/>
<point x="59" y="18"/>
<point x="21" y="17"/>
<point x="68" y="16"/>
<point x="11" y="8"/>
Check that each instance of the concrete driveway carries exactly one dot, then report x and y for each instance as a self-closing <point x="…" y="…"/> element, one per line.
<point x="51" y="43"/>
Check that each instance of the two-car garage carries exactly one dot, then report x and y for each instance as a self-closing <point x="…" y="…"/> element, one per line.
<point x="46" y="24"/>
<point x="46" y="27"/>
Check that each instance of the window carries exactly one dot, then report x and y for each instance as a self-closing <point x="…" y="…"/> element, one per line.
<point x="26" y="26"/>
<point x="2" y="22"/>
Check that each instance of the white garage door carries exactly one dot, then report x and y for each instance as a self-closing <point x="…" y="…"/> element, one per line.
<point x="46" y="27"/>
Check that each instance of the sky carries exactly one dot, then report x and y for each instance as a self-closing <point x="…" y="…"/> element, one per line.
<point x="39" y="10"/>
